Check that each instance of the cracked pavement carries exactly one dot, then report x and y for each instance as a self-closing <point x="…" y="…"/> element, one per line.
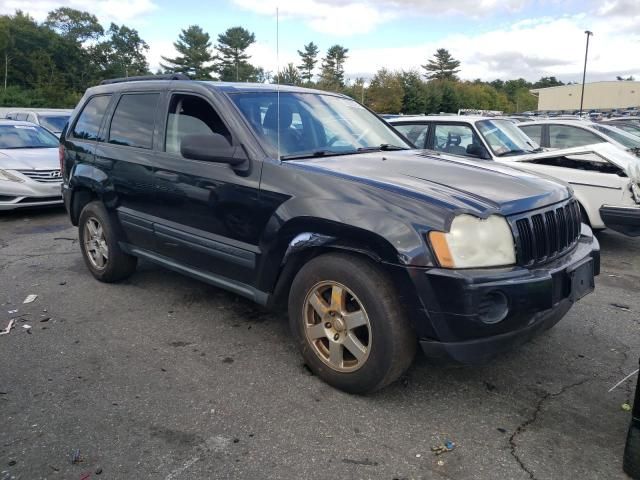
<point x="164" y="377"/>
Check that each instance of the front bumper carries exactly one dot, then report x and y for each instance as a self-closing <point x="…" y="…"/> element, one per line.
<point x="622" y="219"/>
<point x="29" y="193"/>
<point x="465" y="320"/>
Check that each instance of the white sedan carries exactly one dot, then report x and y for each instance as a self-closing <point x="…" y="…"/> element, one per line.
<point x="29" y="166"/>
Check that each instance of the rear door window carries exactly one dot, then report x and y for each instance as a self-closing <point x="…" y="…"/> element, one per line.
<point x="87" y="126"/>
<point x="534" y="132"/>
<point x="416" y="133"/>
<point x="134" y="120"/>
<point x="565" y="136"/>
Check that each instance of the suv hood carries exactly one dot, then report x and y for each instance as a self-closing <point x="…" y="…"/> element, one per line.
<point x="482" y="187"/>
<point x="29" y="158"/>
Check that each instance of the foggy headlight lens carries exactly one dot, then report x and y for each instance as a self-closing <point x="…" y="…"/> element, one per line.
<point x="474" y="243"/>
<point x="8" y="177"/>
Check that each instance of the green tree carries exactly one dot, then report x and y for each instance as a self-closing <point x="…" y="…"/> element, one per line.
<point x="74" y="25"/>
<point x="442" y="67"/>
<point x="385" y="92"/>
<point x="194" y="57"/>
<point x="546" y="82"/>
<point x="413" y="101"/>
<point x="288" y="76"/>
<point x="121" y="54"/>
<point x="308" y="61"/>
<point x="233" y="59"/>
<point x="332" y="76"/>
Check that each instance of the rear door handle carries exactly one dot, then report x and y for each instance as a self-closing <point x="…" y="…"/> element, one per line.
<point x="172" y="177"/>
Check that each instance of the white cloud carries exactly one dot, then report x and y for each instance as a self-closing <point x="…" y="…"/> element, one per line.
<point x="334" y="18"/>
<point x="107" y="11"/>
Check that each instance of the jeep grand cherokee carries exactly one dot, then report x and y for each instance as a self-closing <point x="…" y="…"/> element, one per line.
<point x="293" y="196"/>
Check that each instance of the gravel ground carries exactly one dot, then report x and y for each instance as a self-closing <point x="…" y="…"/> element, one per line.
<point x="163" y="377"/>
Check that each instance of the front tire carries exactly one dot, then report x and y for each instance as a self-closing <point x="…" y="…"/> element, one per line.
<point x="347" y="320"/>
<point x="99" y="244"/>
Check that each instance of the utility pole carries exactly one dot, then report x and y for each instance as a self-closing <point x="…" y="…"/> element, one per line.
<point x="584" y="72"/>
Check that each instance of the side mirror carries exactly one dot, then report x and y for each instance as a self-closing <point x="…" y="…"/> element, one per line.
<point x="478" y="151"/>
<point x="212" y="148"/>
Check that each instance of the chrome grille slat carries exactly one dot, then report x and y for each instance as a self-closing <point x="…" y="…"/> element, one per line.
<point x="43" y="176"/>
<point x="545" y="234"/>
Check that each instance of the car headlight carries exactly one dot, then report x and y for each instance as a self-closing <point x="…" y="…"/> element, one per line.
<point x="474" y="242"/>
<point x="635" y="191"/>
<point x="8" y="177"/>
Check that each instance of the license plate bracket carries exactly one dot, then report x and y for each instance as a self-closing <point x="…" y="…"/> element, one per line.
<point x="581" y="279"/>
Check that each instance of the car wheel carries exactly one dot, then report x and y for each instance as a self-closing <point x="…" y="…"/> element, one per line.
<point x="631" y="462"/>
<point x="349" y="324"/>
<point x="99" y="244"/>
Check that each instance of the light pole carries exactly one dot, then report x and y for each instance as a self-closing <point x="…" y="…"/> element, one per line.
<point x="584" y="72"/>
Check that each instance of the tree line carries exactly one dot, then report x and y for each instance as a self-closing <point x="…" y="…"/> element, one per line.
<point x="51" y="63"/>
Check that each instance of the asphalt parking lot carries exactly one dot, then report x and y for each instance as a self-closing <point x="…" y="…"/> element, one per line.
<point x="163" y="377"/>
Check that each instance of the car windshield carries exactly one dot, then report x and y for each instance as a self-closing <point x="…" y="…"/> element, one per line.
<point x="26" y="136"/>
<point x="505" y="138"/>
<point x="303" y="125"/>
<point x="620" y="136"/>
<point x="55" y="123"/>
<point x="632" y="128"/>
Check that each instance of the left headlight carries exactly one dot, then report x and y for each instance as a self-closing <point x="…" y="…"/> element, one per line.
<point x="8" y="177"/>
<point x="474" y="242"/>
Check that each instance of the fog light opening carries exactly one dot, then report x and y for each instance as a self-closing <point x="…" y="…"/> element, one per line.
<point x="494" y="307"/>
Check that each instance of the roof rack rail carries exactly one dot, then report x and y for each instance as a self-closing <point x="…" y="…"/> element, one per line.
<point x="140" y="78"/>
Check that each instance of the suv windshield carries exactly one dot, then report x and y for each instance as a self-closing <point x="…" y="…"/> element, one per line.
<point x="307" y="124"/>
<point x="627" y="139"/>
<point x="55" y="123"/>
<point x="505" y="138"/>
<point x="26" y="136"/>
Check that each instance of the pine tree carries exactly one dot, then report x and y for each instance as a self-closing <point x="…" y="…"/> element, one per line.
<point x="232" y="59"/>
<point x="288" y="76"/>
<point x="442" y="67"/>
<point x="308" y="59"/>
<point x="332" y="76"/>
<point x="194" y="55"/>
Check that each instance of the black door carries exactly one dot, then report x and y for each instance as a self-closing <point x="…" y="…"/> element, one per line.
<point x="127" y="158"/>
<point x="207" y="214"/>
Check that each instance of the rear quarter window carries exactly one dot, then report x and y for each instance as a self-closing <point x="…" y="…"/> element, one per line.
<point x="87" y="127"/>
<point x="134" y="120"/>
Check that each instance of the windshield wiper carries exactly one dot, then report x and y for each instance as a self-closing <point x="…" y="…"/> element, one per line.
<point x="314" y="153"/>
<point x="385" y="147"/>
<point x="511" y="152"/>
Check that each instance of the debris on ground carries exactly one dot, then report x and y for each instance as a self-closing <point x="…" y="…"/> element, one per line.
<point x="440" y="463"/>
<point x="75" y="456"/>
<point x="27" y="327"/>
<point x="621" y="306"/>
<point x="30" y="298"/>
<point x="626" y="407"/>
<point x="443" y="447"/>
<point x="98" y="470"/>
<point x="9" y="327"/>
<point x="11" y="312"/>
<point x="45" y="319"/>
<point x="623" y="380"/>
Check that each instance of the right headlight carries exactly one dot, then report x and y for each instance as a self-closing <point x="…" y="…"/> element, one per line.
<point x="8" y="177"/>
<point x="473" y="242"/>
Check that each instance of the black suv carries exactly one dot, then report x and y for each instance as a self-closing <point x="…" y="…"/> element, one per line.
<point x="296" y="197"/>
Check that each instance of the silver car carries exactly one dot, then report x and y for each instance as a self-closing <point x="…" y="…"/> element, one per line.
<point x="29" y="166"/>
<point x="52" y="120"/>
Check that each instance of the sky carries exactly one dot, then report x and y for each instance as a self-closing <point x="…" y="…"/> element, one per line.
<point x="493" y="39"/>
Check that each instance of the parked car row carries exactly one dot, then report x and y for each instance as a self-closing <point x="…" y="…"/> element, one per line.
<point x="603" y="171"/>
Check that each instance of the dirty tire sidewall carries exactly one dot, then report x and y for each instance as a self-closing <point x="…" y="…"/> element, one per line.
<point x="119" y="265"/>
<point x="393" y="340"/>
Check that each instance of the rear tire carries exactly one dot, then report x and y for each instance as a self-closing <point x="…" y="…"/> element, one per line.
<point x="99" y="243"/>
<point x="347" y="320"/>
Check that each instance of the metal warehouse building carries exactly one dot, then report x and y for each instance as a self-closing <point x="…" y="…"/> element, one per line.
<point x="597" y="95"/>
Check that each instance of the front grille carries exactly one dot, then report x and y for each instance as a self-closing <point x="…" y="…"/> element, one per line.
<point x="44" y="176"/>
<point x="546" y="234"/>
